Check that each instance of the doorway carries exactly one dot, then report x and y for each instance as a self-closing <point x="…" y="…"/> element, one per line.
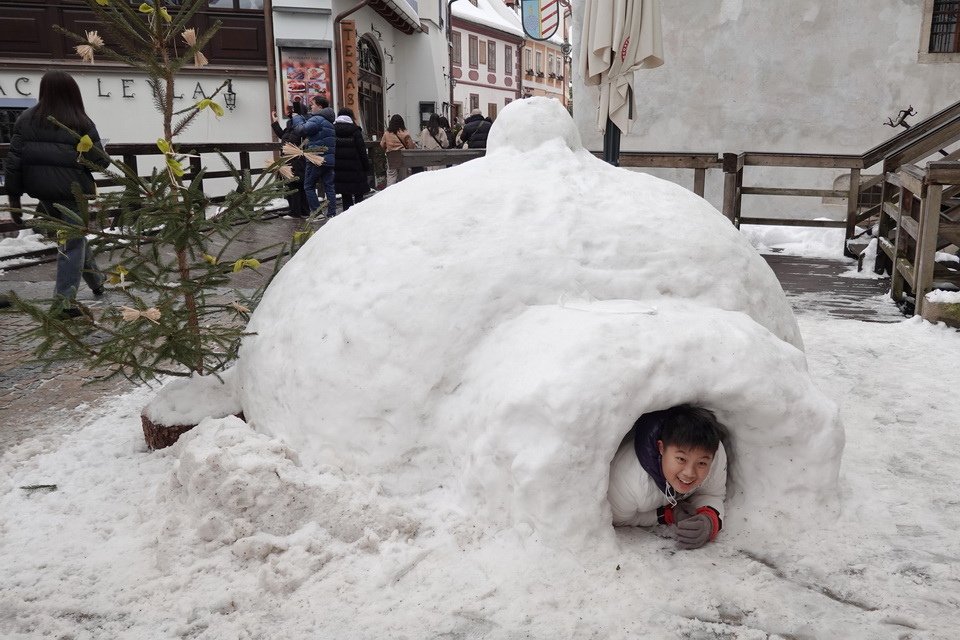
<point x="370" y="83"/>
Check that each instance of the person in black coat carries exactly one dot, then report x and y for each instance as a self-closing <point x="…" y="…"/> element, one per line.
<point x="445" y="125"/>
<point x="296" y="198"/>
<point x="43" y="162"/>
<point x="353" y="163"/>
<point x="475" y="131"/>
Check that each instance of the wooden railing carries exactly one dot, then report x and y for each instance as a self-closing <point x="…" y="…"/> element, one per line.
<point x="133" y="154"/>
<point x="926" y="221"/>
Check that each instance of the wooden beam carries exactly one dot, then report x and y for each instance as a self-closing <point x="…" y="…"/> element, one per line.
<point x="912" y="179"/>
<point x="729" y="186"/>
<point x="943" y="173"/>
<point x="853" y="196"/>
<point x="669" y="160"/>
<point x="824" y="161"/>
<point x="699" y="178"/>
<point x="892" y="210"/>
<point x="950" y="231"/>
<point x="793" y="222"/>
<point x="869" y="213"/>
<point x="907" y="271"/>
<point x="927" y="243"/>
<point x="909" y="225"/>
<point x="887" y="247"/>
<point x="784" y="191"/>
<point x="925" y="145"/>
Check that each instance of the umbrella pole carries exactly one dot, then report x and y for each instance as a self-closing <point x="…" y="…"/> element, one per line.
<point x="611" y="144"/>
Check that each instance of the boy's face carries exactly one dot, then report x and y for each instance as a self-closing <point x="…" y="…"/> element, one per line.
<point x="684" y="468"/>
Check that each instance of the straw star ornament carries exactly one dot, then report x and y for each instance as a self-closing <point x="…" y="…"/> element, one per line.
<point x="87" y="50"/>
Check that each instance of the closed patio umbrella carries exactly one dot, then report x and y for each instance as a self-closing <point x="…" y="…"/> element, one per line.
<point x="618" y="38"/>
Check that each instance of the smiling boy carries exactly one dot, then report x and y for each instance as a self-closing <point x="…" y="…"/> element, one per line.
<point x="672" y="470"/>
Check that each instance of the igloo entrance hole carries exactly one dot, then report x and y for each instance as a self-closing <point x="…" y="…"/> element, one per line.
<point x="670" y="455"/>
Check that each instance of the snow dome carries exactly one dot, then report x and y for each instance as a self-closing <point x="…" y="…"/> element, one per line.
<point x="494" y="329"/>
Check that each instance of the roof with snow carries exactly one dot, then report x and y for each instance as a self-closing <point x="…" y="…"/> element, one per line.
<point x="489" y="13"/>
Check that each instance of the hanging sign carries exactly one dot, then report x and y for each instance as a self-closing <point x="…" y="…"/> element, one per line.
<point x="541" y="18"/>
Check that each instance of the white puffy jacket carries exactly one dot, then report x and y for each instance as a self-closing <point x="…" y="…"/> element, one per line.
<point x="635" y="497"/>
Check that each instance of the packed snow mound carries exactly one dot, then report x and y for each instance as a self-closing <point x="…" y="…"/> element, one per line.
<point x="362" y="343"/>
<point x="230" y="483"/>
<point x="191" y="399"/>
<point x="532" y="123"/>
<point x="547" y="396"/>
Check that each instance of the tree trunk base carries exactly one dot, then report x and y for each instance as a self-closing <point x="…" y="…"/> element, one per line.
<point x="161" y="436"/>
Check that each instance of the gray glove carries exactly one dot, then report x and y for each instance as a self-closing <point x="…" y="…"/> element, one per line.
<point x="694" y="532"/>
<point x="683" y="510"/>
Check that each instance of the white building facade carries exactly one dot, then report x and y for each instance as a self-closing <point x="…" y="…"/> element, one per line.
<point x="486" y="44"/>
<point x="385" y="57"/>
<point x="804" y="76"/>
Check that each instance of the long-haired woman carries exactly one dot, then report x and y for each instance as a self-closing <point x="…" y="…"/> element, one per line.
<point x="43" y="162"/>
<point x="394" y="139"/>
<point x="433" y="136"/>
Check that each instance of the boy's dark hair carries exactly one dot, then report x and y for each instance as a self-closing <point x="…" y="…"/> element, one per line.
<point x="690" y="427"/>
<point x="346" y="111"/>
<point x="321" y="101"/>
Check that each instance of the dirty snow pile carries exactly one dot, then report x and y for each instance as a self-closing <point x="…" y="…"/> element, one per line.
<point x="434" y="391"/>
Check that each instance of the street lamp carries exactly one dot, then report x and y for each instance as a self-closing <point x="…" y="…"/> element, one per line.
<point x="229" y="97"/>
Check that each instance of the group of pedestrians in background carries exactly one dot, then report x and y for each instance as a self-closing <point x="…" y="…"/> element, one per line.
<point x="346" y="163"/>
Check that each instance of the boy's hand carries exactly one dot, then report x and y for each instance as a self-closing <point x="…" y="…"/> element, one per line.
<point x="694" y="531"/>
<point x="683" y="510"/>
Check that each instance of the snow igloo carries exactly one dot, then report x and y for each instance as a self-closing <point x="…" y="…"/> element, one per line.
<point x="493" y="330"/>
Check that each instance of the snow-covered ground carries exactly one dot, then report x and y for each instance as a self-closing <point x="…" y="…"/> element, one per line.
<point x="447" y="387"/>
<point x="123" y="547"/>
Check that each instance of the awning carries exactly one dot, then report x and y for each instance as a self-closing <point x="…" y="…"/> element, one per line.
<point x="399" y="13"/>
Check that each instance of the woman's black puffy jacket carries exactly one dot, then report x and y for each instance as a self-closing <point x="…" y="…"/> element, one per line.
<point x="43" y="160"/>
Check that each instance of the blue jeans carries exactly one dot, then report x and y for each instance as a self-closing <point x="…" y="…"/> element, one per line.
<point x="314" y="175"/>
<point x="74" y="260"/>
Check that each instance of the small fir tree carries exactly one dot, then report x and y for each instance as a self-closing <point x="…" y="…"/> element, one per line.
<point x="167" y="252"/>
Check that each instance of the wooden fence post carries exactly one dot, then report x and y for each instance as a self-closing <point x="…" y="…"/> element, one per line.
<point x="853" y="207"/>
<point x="924" y="261"/>
<point x="729" y="185"/>
<point x="900" y="247"/>
<point x="699" y="177"/>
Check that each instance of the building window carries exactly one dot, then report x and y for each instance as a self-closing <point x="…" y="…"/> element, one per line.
<point x="940" y="31"/>
<point x="508" y="59"/>
<point x="492" y="110"/>
<point x="507" y="101"/>
<point x="527" y="62"/>
<point x="944" y="29"/>
<point x="474" y="46"/>
<point x="483" y="51"/>
<point x="491" y="56"/>
<point x="474" y="101"/>
<point x="551" y="69"/>
<point x="455" y="39"/>
<point x="539" y="68"/>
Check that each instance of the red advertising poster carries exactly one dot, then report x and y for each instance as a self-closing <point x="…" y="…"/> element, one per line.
<point x="305" y="73"/>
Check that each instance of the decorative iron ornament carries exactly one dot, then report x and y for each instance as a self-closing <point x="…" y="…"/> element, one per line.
<point x="541" y="18"/>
